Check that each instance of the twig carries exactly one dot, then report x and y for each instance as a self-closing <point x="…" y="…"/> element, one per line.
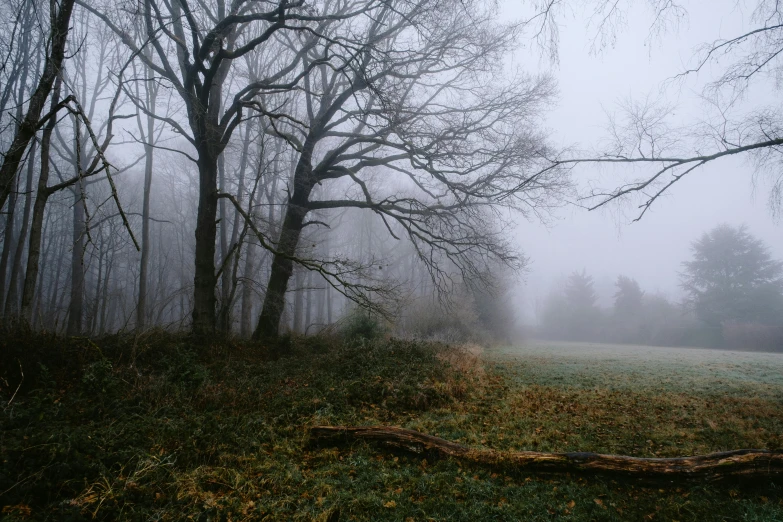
<point x="17" y="388"/>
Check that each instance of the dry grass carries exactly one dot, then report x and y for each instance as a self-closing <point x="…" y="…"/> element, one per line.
<point x="465" y="359"/>
<point x="220" y="435"/>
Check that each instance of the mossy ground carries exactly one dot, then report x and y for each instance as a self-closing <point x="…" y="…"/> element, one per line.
<point x="155" y="429"/>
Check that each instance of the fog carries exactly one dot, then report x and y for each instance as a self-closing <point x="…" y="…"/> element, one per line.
<point x="445" y="177"/>
<point x="594" y="83"/>
<point x="260" y="258"/>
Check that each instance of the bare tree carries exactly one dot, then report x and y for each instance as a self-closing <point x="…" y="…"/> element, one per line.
<point x="86" y="155"/>
<point x="59" y="24"/>
<point x="424" y="101"/>
<point x="146" y="135"/>
<point x="392" y="113"/>
<point x="207" y="40"/>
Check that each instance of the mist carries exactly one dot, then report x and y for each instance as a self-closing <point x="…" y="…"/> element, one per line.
<point x="593" y="84"/>
<point x="370" y="260"/>
<point x="465" y="170"/>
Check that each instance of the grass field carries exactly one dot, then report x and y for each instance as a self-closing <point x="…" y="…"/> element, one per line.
<point x="694" y="370"/>
<point x="219" y="434"/>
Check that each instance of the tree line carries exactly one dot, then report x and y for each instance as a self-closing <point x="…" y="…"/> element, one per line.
<point x="733" y="299"/>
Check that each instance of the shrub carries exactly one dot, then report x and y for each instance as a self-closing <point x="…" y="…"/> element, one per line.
<point x="752" y="336"/>
<point x="98" y="377"/>
<point x="361" y="324"/>
<point x="183" y="368"/>
<point x="428" y="322"/>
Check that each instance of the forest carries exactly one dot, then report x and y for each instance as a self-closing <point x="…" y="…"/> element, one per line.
<point x="358" y="156"/>
<point x="264" y="260"/>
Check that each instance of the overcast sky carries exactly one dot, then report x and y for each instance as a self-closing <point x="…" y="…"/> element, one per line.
<point x="605" y="242"/>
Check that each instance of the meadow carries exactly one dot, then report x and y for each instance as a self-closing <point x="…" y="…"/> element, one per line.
<point x="220" y="432"/>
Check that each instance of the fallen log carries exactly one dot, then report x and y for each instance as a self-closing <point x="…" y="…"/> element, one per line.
<point x="742" y="463"/>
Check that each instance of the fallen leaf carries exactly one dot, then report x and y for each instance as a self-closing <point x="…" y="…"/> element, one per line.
<point x="20" y="509"/>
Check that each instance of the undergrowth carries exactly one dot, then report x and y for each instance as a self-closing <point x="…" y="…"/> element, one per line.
<point x="158" y="428"/>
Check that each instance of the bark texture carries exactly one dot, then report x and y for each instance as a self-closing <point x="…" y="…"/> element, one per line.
<point x="205" y="280"/>
<point x="742" y="463"/>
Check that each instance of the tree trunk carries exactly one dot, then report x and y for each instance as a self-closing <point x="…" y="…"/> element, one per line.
<point x="96" y="302"/>
<point x="328" y="304"/>
<point x="36" y="227"/>
<point x="744" y="463"/>
<point x="246" y="313"/>
<point x="37" y="305"/>
<point x="298" y="302"/>
<point x="53" y="300"/>
<point x="204" y="281"/>
<point x="282" y="262"/>
<point x="141" y="306"/>
<point x="103" y="318"/>
<point x="76" y="306"/>
<point x="8" y="243"/>
<point x="225" y="279"/>
<point x="280" y="273"/>
<point x="12" y="302"/>
<point x="308" y="300"/>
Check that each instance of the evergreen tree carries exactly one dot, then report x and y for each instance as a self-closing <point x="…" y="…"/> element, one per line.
<point x="733" y="278"/>
<point x="583" y="317"/>
<point x="628" y="314"/>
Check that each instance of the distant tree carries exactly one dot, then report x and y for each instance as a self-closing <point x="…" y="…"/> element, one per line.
<point x="580" y="292"/>
<point x="628" y="297"/>
<point x="628" y="313"/>
<point x="493" y="305"/>
<point x="552" y="316"/>
<point x="733" y="278"/>
<point x="573" y="314"/>
<point x="664" y="323"/>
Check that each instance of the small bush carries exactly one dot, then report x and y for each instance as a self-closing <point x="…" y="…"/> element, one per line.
<point x="98" y="377"/>
<point x="363" y="325"/>
<point x="183" y="368"/>
<point x="432" y="322"/>
<point x="24" y="351"/>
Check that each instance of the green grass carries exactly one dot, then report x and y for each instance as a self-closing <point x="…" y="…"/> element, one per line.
<point x="647" y="367"/>
<point x="219" y="433"/>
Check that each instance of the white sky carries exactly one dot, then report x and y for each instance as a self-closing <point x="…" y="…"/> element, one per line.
<point x="604" y="242"/>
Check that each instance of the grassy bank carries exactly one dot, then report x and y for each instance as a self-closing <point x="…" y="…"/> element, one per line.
<point x="157" y="430"/>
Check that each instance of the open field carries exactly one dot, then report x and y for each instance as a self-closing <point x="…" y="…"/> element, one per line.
<point x="220" y="434"/>
<point x="694" y="370"/>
